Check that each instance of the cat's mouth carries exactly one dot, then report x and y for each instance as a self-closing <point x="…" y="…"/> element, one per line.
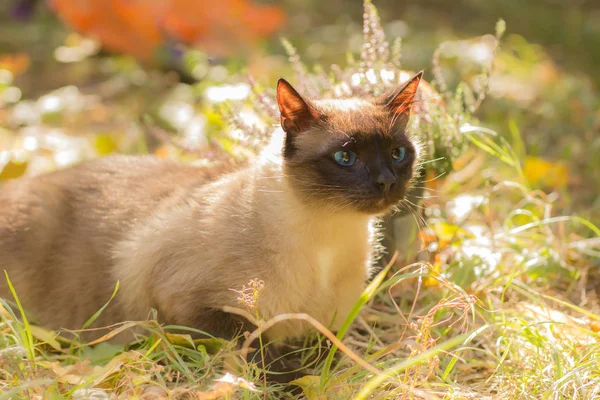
<point x="379" y="204"/>
<point x="369" y="201"/>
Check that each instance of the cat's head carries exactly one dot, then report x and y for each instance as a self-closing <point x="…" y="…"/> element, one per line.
<point x="351" y="154"/>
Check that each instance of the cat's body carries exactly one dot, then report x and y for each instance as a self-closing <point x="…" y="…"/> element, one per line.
<point x="145" y="222"/>
<point x="179" y="238"/>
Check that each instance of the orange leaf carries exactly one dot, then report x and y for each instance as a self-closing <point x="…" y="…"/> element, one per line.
<point x="542" y="173"/>
<point x="14" y="63"/>
<point x="434" y="271"/>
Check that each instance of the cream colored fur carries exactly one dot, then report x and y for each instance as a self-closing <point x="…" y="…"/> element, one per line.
<point x="250" y="225"/>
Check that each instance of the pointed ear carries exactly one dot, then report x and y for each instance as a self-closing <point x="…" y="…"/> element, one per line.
<point x="399" y="101"/>
<point x="297" y="114"/>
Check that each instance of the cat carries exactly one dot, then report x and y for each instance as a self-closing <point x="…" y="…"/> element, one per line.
<point x="300" y="218"/>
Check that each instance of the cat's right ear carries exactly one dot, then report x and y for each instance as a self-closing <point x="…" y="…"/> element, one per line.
<point x="400" y="101"/>
<point x="297" y="114"/>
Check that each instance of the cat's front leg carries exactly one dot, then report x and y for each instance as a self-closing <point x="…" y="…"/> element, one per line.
<point x="281" y="364"/>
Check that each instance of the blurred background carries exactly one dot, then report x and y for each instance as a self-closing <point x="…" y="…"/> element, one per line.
<point x="78" y="76"/>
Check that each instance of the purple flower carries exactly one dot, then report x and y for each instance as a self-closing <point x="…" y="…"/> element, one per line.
<point x="22" y="9"/>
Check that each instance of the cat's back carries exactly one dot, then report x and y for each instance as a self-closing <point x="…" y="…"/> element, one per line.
<point x="95" y="200"/>
<point x="102" y="191"/>
<point x="57" y="230"/>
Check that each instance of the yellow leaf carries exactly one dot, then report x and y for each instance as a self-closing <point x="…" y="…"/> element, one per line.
<point x="162" y="152"/>
<point x="212" y="345"/>
<point x="105" y="145"/>
<point x="101" y="373"/>
<point x="310" y="386"/>
<point x="12" y="170"/>
<point x="446" y="232"/>
<point x="434" y="271"/>
<point x="181" y="340"/>
<point x="543" y="173"/>
<point x="214" y="119"/>
<point x="45" y="336"/>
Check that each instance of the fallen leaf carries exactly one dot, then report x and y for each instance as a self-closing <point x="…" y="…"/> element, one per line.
<point x="434" y="271"/>
<point x="100" y="374"/>
<point x="212" y="345"/>
<point x="310" y="386"/>
<point x="182" y="340"/>
<point x="543" y="173"/>
<point x="105" y="144"/>
<point x="45" y="336"/>
<point x="446" y="232"/>
<point x="72" y="375"/>
<point x="13" y="170"/>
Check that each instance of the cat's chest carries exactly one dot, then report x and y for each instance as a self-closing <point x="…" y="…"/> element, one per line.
<point x="326" y="272"/>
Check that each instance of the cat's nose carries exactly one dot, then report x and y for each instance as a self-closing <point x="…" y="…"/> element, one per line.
<point x="385" y="180"/>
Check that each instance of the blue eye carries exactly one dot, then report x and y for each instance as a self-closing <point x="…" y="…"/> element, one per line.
<point x="345" y="157"/>
<point x="398" y="154"/>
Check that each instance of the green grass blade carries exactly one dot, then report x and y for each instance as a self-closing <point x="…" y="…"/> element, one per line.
<point x="452" y="362"/>
<point x="377" y="380"/>
<point x="366" y="295"/>
<point x="27" y="336"/>
<point x="522" y="288"/>
<point x="485" y="139"/>
<point x="94" y="317"/>
<point x="151" y="349"/>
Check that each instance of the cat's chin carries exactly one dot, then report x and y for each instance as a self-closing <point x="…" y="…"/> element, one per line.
<point x="378" y="207"/>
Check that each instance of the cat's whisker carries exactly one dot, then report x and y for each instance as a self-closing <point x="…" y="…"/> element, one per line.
<point x="413" y="204"/>
<point x="426" y="197"/>
<point x="435" y="177"/>
<point x="426" y="188"/>
<point x="416" y="214"/>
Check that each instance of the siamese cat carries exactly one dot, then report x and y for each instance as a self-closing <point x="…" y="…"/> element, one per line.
<point x="178" y="238"/>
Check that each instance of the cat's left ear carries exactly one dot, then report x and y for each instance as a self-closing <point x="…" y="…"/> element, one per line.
<point x="297" y="114"/>
<point x="399" y="102"/>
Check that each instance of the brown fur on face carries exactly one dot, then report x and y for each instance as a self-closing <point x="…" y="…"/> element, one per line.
<point x="179" y="238"/>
